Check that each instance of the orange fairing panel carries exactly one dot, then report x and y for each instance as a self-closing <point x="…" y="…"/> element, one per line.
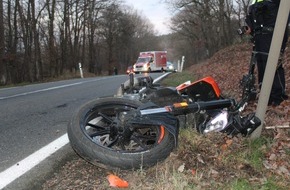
<point x="181" y="88"/>
<point x="213" y="83"/>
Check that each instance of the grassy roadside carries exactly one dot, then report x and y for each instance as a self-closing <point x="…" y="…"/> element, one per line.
<point x="178" y="78"/>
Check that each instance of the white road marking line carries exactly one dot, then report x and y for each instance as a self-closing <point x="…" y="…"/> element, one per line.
<point x="43" y="90"/>
<point x="161" y="77"/>
<point x="23" y="166"/>
<point x="63" y="86"/>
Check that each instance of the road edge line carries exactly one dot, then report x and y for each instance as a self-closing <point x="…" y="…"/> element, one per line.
<point x="23" y="166"/>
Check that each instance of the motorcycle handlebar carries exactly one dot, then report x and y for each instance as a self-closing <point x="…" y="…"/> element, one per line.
<point x="184" y="107"/>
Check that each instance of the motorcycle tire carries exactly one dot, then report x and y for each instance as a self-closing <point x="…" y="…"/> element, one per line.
<point x="95" y="133"/>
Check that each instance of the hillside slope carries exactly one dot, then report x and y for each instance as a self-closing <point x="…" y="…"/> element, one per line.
<point x="229" y="65"/>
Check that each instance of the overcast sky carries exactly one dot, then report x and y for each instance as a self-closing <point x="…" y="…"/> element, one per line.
<point x="158" y="13"/>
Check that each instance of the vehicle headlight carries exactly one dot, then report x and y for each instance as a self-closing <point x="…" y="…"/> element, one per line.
<point x="218" y="123"/>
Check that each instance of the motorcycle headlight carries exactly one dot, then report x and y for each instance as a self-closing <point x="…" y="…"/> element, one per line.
<point x="218" y="123"/>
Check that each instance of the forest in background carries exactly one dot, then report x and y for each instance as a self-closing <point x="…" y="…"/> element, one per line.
<point x="44" y="39"/>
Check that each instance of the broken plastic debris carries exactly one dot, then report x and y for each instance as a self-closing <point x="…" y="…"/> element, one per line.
<point x="115" y="181"/>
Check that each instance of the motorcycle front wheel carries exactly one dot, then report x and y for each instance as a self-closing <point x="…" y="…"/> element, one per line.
<point x="97" y="132"/>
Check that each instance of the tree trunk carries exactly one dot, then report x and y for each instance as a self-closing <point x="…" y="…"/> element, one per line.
<point x="51" y="46"/>
<point x="37" y="56"/>
<point x="2" y="47"/>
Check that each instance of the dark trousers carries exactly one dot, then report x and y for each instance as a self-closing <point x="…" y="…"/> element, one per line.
<point x="262" y="44"/>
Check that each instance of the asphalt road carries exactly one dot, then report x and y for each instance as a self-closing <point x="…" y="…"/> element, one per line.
<point x="32" y="116"/>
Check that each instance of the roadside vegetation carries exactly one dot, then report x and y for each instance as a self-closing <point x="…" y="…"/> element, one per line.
<point x="176" y="79"/>
<point x="43" y="40"/>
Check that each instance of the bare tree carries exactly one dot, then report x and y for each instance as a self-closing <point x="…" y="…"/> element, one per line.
<point x="11" y="65"/>
<point x="206" y="25"/>
<point x="37" y="61"/>
<point x="24" y="19"/>
<point x="48" y="38"/>
<point x="241" y="9"/>
<point x="51" y="6"/>
<point x="93" y="21"/>
<point x="2" y="45"/>
<point x="195" y="22"/>
<point x="135" y="34"/>
<point x="110" y="31"/>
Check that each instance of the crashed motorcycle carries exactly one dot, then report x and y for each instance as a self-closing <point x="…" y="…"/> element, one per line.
<point x="139" y="126"/>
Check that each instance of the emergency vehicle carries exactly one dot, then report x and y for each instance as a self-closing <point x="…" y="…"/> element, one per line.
<point x="151" y="61"/>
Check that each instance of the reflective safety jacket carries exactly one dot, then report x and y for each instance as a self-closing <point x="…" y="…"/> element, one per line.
<point x="273" y="1"/>
<point x="256" y="1"/>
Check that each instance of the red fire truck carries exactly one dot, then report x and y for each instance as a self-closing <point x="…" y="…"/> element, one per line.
<point x="151" y="61"/>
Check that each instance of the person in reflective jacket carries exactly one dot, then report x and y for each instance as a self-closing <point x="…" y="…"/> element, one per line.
<point x="261" y="22"/>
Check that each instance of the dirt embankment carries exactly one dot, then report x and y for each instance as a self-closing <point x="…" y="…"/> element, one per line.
<point x="229" y="65"/>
